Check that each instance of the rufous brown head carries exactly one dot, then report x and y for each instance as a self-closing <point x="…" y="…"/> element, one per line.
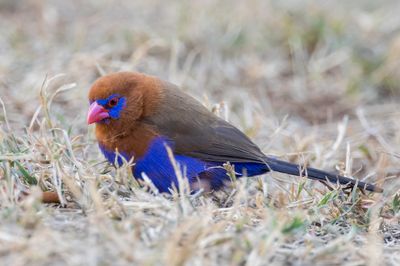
<point x="119" y="99"/>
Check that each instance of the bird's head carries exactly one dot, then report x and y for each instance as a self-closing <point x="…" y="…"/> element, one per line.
<point x="118" y="100"/>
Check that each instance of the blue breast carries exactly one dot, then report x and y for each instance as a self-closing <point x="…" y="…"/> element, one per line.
<point x="112" y="157"/>
<point x="157" y="165"/>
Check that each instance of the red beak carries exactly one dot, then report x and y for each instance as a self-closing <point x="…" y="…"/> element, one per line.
<point x="96" y="113"/>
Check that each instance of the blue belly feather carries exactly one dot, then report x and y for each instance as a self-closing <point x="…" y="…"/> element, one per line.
<point x="156" y="164"/>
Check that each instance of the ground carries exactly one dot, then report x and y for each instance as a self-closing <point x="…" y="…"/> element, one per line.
<point x="315" y="82"/>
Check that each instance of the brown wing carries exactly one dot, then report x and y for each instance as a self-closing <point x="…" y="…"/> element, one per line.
<point x="198" y="133"/>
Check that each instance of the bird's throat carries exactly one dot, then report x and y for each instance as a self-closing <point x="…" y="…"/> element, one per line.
<point x="132" y="142"/>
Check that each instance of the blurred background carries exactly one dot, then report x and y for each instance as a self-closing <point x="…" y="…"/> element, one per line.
<point x="300" y="66"/>
<point x="311" y="81"/>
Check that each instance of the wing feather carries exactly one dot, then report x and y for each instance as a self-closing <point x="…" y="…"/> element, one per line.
<point x="198" y="133"/>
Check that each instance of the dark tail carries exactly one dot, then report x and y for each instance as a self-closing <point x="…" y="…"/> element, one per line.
<point x="312" y="173"/>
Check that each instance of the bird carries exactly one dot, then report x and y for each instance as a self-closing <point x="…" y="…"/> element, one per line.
<point x="162" y="130"/>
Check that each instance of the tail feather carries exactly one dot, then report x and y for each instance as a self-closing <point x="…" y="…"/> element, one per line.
<point x="312" y="173"/>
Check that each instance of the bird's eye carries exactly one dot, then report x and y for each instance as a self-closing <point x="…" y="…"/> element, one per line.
<point x="113" y="102"/>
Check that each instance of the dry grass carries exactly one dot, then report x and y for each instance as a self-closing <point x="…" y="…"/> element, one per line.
<point x="313" y="82"/>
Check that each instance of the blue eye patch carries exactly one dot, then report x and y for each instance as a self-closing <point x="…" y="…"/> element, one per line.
<point x="114" y="111"/>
